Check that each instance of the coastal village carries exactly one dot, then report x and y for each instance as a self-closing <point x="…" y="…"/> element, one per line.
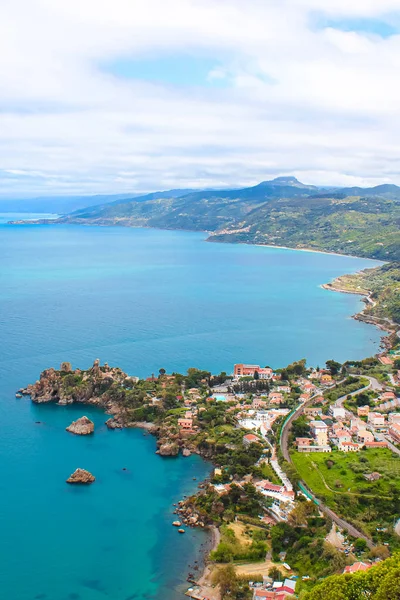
<point x="258" y="426"/>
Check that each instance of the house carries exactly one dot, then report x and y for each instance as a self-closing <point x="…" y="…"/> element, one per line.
<point x="319" y="429"/>
<point x="343" y="435"/>
<point x="326" y="379"/>
<point x="375" y="444"/>
<point x="394" y="432"/>
<point x="250" y="438"/>
<point x="285" y="389"/>
<point x="394" y="417"/>
<point x="348" y="447"/>
<point x="304" y="397"/>
<point x="362" y="411"/>
<point x="275" y="398"/>
<point x="387" y="396"/>
<point x="312" y="411"/>
<point x="357" y="566"/>
<point x="258" y="403"/>
<point x="373" y="476"/>
<point x="280" y="590"/>
<point x="304" y="441"/>
<point x="385" y="360"/>
<point x="307" y="448"/>
<point x="185" y="424"/>
<point x="364" y="436"/>
<point x="337" y="412"/>
<point x="242" y="370"/>
<point x="376" y="419"/>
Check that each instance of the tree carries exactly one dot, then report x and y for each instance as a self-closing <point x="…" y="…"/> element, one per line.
<point x="275" y="574"/>
<point x="226" y="578"/>
<point x="333" y="366"/>
<point x="360" y="544"/>
<point x="162" y="372"/>
<point x="256" y="375"/>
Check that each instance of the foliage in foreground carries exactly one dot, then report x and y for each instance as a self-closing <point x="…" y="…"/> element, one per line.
<point x="381" y="582"/>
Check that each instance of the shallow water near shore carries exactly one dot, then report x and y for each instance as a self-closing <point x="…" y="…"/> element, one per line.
<point x="142" y="300"/>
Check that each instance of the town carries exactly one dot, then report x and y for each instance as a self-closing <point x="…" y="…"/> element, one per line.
<point x="296" y="453"/>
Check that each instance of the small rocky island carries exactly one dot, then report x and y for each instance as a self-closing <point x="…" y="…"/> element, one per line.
<point x="81" y="476"/>
<point x="82" y="426"/>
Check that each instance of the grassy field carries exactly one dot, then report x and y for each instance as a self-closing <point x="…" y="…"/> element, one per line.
<point x="339" y="472"/>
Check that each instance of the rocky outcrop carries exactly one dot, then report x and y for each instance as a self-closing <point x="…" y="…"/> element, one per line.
<point x="114" y="423"/>
<point x="189" y="515"/>
<point x="168" y="449"/>
<point x="186" y="452"/>
<point x="92" y="386"/>
<point x="81" y="476"/>
<point x="82" y="426"/>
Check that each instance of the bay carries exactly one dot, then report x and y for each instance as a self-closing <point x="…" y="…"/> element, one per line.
<point x="143" y="300"/>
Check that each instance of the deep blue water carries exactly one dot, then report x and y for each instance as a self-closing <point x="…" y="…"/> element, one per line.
<point x="140" y="299"/>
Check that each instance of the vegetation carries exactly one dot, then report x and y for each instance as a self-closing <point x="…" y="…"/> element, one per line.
<point x="231" y="548"/>
<point x="381" y="582"/>
<point x="381" y="284"/>
<point x="281" y="212"/>
<point x="232" y="586"/>
<point x="339" y="480"/>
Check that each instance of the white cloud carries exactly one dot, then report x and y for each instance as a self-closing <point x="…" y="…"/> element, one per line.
<point x="320" y="103"/>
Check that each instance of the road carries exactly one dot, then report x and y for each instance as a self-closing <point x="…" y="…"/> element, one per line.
<point x="284" y="439"/>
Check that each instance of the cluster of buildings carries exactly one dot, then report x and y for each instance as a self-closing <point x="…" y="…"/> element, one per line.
<point x="274" y="590"/>
<point x="348" y="434"/>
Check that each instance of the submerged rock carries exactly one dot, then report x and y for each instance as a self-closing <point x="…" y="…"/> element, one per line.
<point x="82" y="426"/>
<point x="81" y="476"/>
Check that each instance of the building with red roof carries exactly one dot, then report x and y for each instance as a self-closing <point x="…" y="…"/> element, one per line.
<point x="357" y="566"/>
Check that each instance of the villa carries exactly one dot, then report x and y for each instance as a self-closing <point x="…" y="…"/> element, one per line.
<point x="242" y="370"/>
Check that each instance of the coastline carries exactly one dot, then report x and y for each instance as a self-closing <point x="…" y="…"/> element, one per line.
<point x="210" y="235"/>
<point x="389" y="326"/>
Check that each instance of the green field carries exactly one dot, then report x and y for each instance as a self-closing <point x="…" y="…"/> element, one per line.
<point x="338" y="480"/>
<point x="339" y="472"/>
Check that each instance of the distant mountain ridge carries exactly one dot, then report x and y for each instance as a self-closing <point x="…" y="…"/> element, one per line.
<point x="280" y="212"/>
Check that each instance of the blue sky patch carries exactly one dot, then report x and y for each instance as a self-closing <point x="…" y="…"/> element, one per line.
<point x="171" y="70"/>
<point x="383" y="28"/>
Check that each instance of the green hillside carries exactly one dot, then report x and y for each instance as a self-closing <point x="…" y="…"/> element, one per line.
<point x="282" y="212"/>
<point x="381" y="284"/>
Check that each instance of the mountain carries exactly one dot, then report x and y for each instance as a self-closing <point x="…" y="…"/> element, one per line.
<point x="68" y="204"/>
<point x="387" y="190"/>
<point x="281" y="212"/>
<point x="57" y="204"/>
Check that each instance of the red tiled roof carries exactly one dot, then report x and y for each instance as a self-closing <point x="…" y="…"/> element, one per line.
<point x="357" y="566"/>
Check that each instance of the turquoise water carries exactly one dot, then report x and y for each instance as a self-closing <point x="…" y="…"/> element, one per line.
<point x="143" y="300"/>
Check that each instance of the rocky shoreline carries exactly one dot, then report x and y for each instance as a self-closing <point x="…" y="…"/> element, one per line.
<point x="382" y="324"/>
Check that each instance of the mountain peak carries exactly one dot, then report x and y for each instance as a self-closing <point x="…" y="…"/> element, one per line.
<point x="287" y="180"/>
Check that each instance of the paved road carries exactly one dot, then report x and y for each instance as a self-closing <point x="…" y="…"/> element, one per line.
<point x="285" y="451"/>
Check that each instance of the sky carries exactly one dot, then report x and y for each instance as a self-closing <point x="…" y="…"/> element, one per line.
<point x="118" y="96"/>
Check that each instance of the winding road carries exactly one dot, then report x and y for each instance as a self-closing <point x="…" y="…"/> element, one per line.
<point x="284" y="443"/>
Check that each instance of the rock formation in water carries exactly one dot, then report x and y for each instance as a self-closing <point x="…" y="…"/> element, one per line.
<point x="82" y="426"/>
<point x="81" y="476"/>
<point x="168" y="449"/>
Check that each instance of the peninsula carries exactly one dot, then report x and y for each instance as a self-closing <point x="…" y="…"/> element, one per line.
<point x="305" y="461"/>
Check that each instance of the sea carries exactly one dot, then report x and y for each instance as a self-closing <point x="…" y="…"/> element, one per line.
<point x="143" y="300"/>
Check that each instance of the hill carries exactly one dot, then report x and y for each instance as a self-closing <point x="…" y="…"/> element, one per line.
<point x="281" y="212"/>
<point x="381" y="285"/>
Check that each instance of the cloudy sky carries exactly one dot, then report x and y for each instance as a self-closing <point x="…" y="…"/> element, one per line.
<point x="109" y="96"/>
